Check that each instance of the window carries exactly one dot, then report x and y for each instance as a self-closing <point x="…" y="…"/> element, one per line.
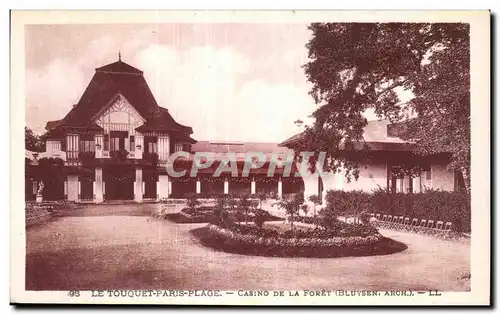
<point x="459" y="180"/>
<point x="87" y="146"/>
<point x="115" y="144"/>
<point x="132" y="143"/>
<point x="178" y="147"/>
<point x="72" y="145"/>
<point x="150" y="144"/>
<point x="106" y="142"/>
<point x="152" y="147"/>
<point x="87" y="143"/>
<point x="428" y="174"/>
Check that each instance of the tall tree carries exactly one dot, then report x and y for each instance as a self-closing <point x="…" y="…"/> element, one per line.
<point x="358" y="66"/>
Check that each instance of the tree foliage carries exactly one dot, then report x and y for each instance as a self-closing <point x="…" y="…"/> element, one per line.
<point x="192" y="201"/>
<point x="245" y="204"/>
<point x="358" y="66"/>
<point x="291" y="206"/>
<point x="32" y="141"/>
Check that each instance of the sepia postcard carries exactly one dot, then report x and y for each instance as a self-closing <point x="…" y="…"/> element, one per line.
<point x="250" y="157"/>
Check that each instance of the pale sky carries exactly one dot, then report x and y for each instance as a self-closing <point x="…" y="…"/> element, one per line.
<point x="233" y="82"/>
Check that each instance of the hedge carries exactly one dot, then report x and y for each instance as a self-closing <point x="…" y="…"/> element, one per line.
<point x="434" y="205"/>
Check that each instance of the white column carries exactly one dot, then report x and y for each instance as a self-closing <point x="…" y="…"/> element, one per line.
<point x="139" y="141"/>
<point x="163" y="186"/>
<point x="399" y="185"/>
<point x="73" y="188"/>
<point x="98" y="186"/>
<point x="280" y="188"/>
<point x="416" y="184"/>
<point x="99" y="146"/>
<point x="138" y="185"/>
<point x="168" y="146"/>
<point x="252" y="187"/>
<point x="79" y="190"/>
<point x="198" y="186"/>
<point x="406" y="184"/>
<point x="35" y="187"/>
<point x="226" y="186"/>
<point x="169" y="188"/>
<point x="311" y="185"/>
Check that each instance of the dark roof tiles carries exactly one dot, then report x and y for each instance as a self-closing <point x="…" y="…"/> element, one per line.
<point x="109" y="81"/>
<point x="119" y="67"/>
<point x="375" y="135"/>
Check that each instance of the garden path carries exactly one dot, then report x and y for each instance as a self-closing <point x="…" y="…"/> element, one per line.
<point x="121" y="247"/>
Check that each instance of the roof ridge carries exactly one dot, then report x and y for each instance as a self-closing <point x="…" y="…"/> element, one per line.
<point x="119" y="67"/>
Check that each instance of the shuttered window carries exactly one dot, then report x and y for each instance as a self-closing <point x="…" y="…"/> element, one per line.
<point x="132" y="143"/>
<point x="106" y="142"/>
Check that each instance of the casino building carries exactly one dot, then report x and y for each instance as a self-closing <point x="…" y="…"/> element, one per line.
<point x="114" y="145"/>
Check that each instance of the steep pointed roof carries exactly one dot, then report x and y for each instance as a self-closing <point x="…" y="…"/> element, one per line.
<point x="107" y="82"/>
<point x="119" y="67"/>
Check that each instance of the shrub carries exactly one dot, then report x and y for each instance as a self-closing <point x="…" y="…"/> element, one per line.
<point x="245" y="204"/>
<point x="221" y="217"/>
<point x="260" y="217"/>
<point x="50" y="163"/>
<point x="291" y="206"/>
<point x="291" y="237"/>
<point x="119" y="155"/>
<point x="346" y="203"/>
<point x="192" y="201"/>
<point x="434" y="205"/>
<point x="305" y="209"/>
<point x="86" y="157"/>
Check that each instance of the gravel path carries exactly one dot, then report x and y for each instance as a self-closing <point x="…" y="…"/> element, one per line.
<point x="122" y="249"/>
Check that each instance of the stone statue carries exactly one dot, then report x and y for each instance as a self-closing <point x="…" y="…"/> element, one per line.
<point x="40" y="188"/>
<point x="39" y="196"/>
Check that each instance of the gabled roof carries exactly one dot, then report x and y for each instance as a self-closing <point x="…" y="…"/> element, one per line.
<point x="238" y="147"/>
<point x="161" y="120"/>
<point x="375" y="135"/>
<point x="107" y="82"/>
<point x="52" y="124"/>
<point x="293" y="139"/>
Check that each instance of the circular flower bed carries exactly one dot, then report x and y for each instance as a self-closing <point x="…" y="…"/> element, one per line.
<point x="299" y="241"/>
<point x="312" y="243"/>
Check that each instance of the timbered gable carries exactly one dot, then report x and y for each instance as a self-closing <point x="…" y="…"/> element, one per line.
<point x="119" y="114"/>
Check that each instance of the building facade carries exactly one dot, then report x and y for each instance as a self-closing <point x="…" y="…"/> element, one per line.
<point x="115" y="144"/>
<point x="385" y="162"/>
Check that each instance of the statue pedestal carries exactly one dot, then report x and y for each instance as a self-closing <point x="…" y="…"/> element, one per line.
<point x="39" y="198"/>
